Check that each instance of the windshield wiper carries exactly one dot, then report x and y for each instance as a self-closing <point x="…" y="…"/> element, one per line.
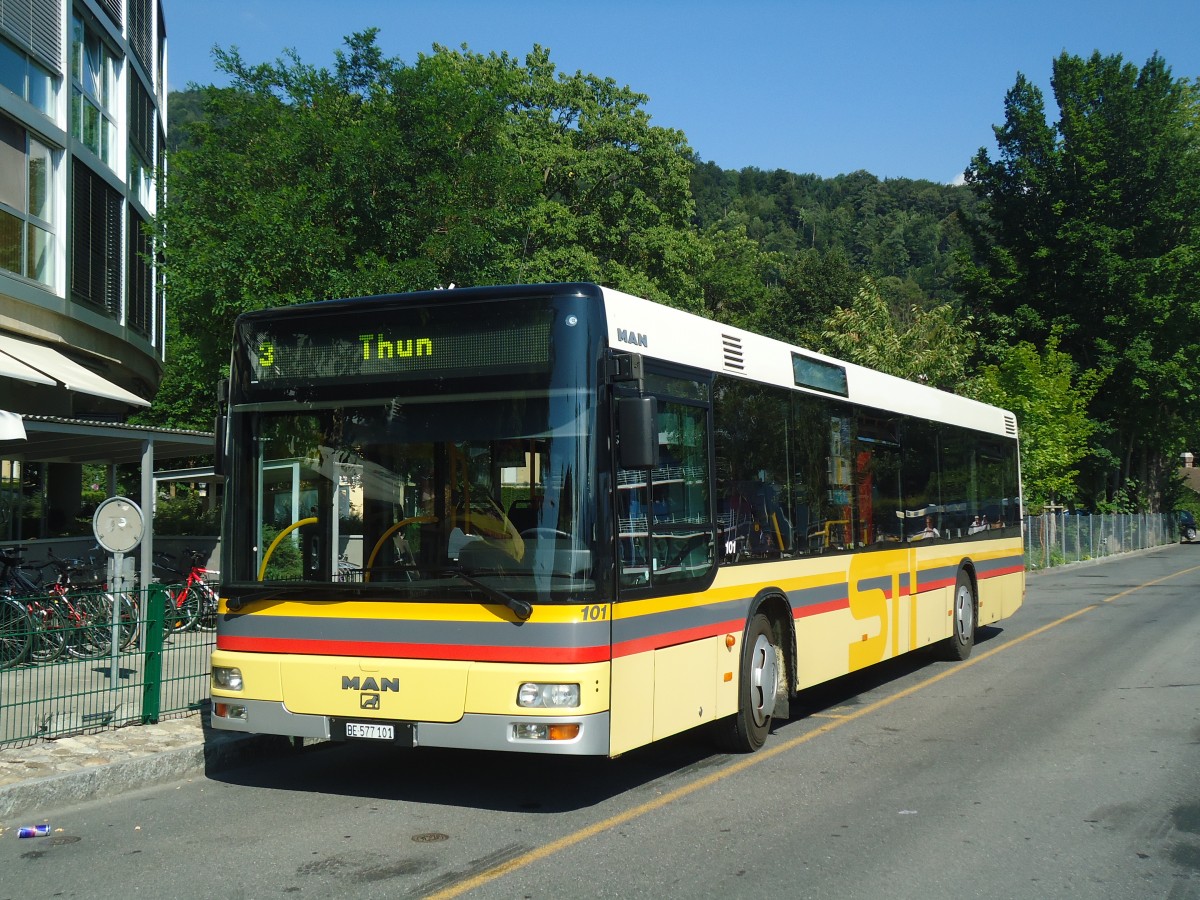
<point x="236" y="601"/>
<point x="523" y="609"/>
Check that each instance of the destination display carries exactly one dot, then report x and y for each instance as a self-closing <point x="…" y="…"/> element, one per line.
<point x="458" y="341"/>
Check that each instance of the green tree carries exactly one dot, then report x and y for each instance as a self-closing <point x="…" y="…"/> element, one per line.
<point x="1092" y="233"/>
<point x="931" y="346"/>
<point x="1049" y="398"/>
<point x="612" y="200"/>
<point x="812" y="284"/>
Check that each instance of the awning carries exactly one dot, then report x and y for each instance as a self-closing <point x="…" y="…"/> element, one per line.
<point x="59" y="440"/>
<point x="61" y="368"/>
<point x="11" y="368"/>
<point x="11" y="427"/>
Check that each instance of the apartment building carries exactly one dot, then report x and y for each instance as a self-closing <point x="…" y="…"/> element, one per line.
<point x="83" y="92"/>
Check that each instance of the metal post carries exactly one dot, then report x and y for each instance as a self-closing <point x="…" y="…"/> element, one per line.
<point x="145" y="567"/>
<point x="155" y="597"/>
<point x="117" y="583"/>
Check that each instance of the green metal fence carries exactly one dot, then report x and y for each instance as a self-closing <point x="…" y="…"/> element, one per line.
<point x="82" y="684"/>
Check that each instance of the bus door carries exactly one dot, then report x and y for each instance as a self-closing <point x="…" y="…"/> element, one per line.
<point x="665" y="533"/>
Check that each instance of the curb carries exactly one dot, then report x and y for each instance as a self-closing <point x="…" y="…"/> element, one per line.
<point x="204" y="757"/>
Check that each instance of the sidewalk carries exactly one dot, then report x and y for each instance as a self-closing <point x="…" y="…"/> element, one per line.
<point x="52" y="774"/>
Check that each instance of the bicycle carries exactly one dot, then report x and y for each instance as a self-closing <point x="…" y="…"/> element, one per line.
<point x="87" y="577"/>
<point x="88" y="598"/>
<point x="16" y="633"/>
<point x="191" y="603"/>
<point x="62" y="619"/>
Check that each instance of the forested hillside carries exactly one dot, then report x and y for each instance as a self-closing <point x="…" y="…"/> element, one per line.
<point x="900" y="229"/>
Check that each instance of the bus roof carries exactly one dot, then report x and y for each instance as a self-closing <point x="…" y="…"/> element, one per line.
<point x="660" y="332"/>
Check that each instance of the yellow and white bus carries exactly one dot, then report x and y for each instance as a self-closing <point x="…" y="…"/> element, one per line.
<point x="562" y="519"/>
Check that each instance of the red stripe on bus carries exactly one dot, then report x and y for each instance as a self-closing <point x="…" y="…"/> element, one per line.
<point x="815" y="609"/>
<point x="934" y="585"/>
<point x="1008" y="570"/>
<point x="415" y="651"/>
<point x="672" y="638"/>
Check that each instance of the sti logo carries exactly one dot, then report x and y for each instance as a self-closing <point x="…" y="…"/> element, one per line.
<point x="635" y="338"/>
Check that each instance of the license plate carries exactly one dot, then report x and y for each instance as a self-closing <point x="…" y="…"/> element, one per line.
<point x="399" y="733"/>
<point x="370" y="731"/>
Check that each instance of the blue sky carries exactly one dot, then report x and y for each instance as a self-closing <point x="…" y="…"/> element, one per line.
<point x="900" y="89"/>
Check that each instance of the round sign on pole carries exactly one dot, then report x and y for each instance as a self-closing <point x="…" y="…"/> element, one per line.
<point x="118" y="524"/>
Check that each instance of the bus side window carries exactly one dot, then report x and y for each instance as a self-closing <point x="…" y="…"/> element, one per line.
<point x="633" y="511"/>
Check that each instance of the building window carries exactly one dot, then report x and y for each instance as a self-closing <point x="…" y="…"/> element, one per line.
<point x="36" y="27"/>
<point x="160" y="79"/>
<point x="140" y="303"/>
<point x="141" y="145"/>
<point x="140" y="29"/>
<point x="26" y="204"/>
<point x="93" y="92"/>
<point x="113" y="9"/>
<point x="26" y="78"/>
<point x="96" y="241"/>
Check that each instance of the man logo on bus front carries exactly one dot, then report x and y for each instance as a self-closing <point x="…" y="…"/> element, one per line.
<point x="368" y="701"/>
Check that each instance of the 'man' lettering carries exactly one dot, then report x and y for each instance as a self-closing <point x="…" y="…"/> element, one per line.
<point x="632" y="337"/>
<point x="384" y="685"/>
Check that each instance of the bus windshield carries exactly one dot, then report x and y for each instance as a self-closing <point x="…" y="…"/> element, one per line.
<point x="423" y="496"/>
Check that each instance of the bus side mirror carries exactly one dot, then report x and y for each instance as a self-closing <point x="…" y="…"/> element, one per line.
<point x="637" y="432"/>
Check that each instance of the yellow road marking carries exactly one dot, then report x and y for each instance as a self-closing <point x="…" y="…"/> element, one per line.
<point x="570" y="840"/>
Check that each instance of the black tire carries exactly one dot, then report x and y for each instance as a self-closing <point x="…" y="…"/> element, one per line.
<point x="90" y="636"/>
<point x="130" y="626"/>
<point x="207" y="619"/>
<point x="16" y="633"/>
<point x="50" y="638"/>
<point x="965" y="617"/>
<point x="1190" y="535"/>
<point x="183" y="608"/>
<point x="747" y="729"/>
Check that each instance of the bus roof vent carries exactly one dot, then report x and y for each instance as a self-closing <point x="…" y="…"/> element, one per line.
<point x="1010" y="425"/>
<point x="733" y="352"/>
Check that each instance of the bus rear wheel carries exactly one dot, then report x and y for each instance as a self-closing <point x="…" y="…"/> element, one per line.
<point x="958" y="646"/>
<point x="746" y="730"/>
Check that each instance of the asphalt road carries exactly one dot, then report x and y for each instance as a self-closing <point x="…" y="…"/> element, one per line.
<point x="1062" y="760"/>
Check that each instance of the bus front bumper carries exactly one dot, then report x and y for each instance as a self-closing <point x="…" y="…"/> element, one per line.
<point x="474" y="731"/>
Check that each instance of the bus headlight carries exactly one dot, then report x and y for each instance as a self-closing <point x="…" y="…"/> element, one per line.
<point x="227" y="678"/>
<point x="540" y="731"/>
<point x="229" y="711"/>
<point x="548" y="696"/>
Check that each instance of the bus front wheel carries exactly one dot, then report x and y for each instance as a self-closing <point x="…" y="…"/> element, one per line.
<point x="746" y="730"/>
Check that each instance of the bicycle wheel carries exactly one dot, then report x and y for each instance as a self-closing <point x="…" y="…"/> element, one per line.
<point x="49" y="640"/>
<point x="91" y="618"/>
<point x="131" y="623"/>
<point x="207" y="620"/>
<point x="16" y="633"/>
<point x="183" y="607"/>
